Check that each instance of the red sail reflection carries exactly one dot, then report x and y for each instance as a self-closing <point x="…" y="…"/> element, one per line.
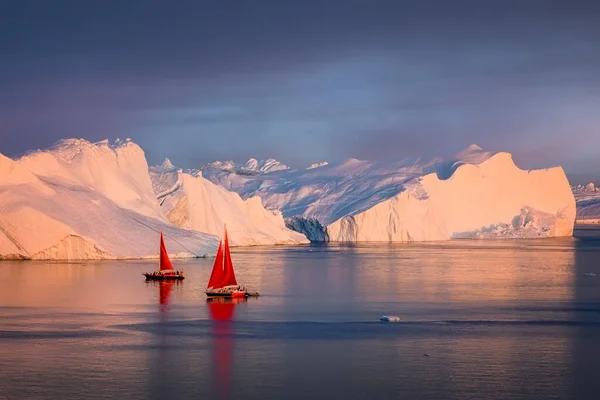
<point x="221" y="311"/>
<point x="165" y="291"/>
<point x="161" y="364"/>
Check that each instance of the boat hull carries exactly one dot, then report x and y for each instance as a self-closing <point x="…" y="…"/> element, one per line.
<point x="151" y="277"/>
<point x="231" y="295"/>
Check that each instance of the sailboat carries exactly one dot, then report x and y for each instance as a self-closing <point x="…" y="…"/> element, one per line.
<point x="165" y="268"/>
<point x="222" y="282"/>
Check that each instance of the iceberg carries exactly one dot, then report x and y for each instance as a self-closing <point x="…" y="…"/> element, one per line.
<point x="317" y="165"/>
<point x="475" y="194"/>
<point x="588" y="203"/>
<point x="251" y="167"/>
<point x="81" y="200"/>
<point x="192" y="202"/>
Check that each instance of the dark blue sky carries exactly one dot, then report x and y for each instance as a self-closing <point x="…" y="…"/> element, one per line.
<point x="305" y="81"/>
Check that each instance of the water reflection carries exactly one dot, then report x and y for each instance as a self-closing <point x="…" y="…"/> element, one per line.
<point x="164" y="291"/>
<point x="221" y="312"/>
<point x="503" y="320"/>
<point x="162" y="377"/>
<point x="401" y="278"/>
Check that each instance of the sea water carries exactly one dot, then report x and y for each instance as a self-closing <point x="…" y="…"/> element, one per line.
<point x="479" y="319"/>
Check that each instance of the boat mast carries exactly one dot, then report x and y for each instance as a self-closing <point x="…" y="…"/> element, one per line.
<point x="159" y="255"/>
<point x="224" y="235"/>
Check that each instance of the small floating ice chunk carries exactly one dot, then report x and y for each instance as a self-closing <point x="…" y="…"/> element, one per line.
<point x="389" y="318"/>
<point x="589" y="274"/>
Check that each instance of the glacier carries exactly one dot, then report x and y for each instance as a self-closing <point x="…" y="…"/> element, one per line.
<point x="80" y="200"/>
<point x="193" y="202"/>
<point x="588" y="203"/>
<point x="475" y="194"/>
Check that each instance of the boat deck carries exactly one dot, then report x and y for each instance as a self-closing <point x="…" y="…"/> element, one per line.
<point x="152" y="277"/>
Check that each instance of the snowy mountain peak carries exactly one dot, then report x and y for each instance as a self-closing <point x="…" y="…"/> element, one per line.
<point x="164" y="168"/>
<point x="589" y="188"/>
<point x="222" y="165"/>
<point x="264" y="166"/>
<point x="470" y="150"/>
<point x="473" y="155"/>
<point x="252" y="164"/>
<point x="251" y="167"/>
<point x="167" y="164"/>
<point x="474" y="147"/>
<point x="317" y="165"/>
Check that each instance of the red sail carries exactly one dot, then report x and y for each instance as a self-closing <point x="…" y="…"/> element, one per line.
<point x="217" y="274"/>
<point x="229" y="274"/>
<point x="164" y="263"/>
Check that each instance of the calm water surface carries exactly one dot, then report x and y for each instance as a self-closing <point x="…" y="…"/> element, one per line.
<point x="481" y="320"/>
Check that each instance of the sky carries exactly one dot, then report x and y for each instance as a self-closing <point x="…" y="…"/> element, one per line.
<point x="305" y="81"/>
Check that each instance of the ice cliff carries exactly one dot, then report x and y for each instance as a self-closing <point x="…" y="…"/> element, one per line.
<point x="476" y="194"/>
<point x="588" y="203"/>
<point x="82" y="200"/>
<point x="192" y="202"/>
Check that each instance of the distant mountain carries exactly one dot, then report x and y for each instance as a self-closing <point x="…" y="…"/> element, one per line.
<point x="583" y="179"/>
<point x="252" y="167"/>
<point x="476" y="194"/>
<point x="317" y="165"/>
<point x="589" y="188"/>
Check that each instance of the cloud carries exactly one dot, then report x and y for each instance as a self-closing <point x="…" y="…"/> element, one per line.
<point x="303" y="81"/>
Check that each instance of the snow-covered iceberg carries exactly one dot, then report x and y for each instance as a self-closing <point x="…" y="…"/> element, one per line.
<point x="476" y="194"/>
<point x="82" y="200"/>
<point x="252" y="166"/>
<point x="192" y="202"/>
<point x="588" y="203"/>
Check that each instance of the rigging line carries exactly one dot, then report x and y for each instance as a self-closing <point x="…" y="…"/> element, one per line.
<point x="157" y="231"/>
